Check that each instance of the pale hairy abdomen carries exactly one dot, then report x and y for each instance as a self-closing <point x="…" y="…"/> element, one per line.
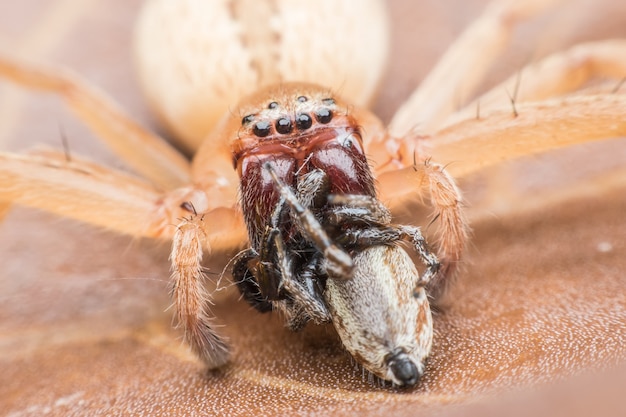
<point x="197" y="59"/>
<point x="380" y="310"/>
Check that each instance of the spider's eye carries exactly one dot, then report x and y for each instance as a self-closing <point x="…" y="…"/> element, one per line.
<point x="352" y="141"/>
<point x="283" y="125"/>
<point x="303" y="121"/>
<point x="247" y="119"/>
<point x="324" y="115"/>
<point x="262" y="128"/>
<point x="302" y="99"/>
<point x="272" y="105"/>
<point x="329" y="101"/>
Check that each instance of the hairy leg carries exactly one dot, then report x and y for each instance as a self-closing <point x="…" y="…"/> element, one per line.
<point x="534" y="127"/>
<point x="338" y="262"/>
<point x="357" y="209"/>
<point x="447" y="201"/>
<point x="269" y="276"/>
<point x="118" y="201"/>
<point x="360" y="211"/>
<point x="247" y="283"/>
<point x="80" y="190"/>
<point x="260" y="279"/>
<point x="104" y="197"/>
<point x="463" y="66"/>
<point x="556" y="75"/>
<point x="147" y="153"/>
<point x="268" y="280"/>
<point x="191" y="299"/>
<point x="304" y="293"/>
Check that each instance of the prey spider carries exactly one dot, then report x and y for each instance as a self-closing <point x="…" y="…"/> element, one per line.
<point x="86" y="188"/>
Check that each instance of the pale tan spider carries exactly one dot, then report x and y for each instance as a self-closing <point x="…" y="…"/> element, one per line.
<point x="121" y="202"/>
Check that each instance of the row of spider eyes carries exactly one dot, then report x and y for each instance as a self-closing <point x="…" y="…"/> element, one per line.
<point x="284" y="125"/>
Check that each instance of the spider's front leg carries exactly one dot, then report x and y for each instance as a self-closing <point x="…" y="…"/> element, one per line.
<point x="287" y="279"/>
<point x="366" y="223"/>
<point x="305" y="301"/>
<point x="399" y="186"/>
<point x="338" y="262"/>
<point x="190" y="296"/>
<point x="273" y="279"/>
<point x="247" y="283"/>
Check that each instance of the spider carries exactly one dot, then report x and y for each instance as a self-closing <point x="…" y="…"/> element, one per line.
<point x="86" y="190"/>
<point x="329" y="253"/>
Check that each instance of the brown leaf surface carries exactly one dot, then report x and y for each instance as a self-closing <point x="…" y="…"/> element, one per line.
<point x="83" y="323"/>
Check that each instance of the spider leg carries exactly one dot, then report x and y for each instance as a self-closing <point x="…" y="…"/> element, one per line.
<point x="313" y="189"/>
<point x="191" y="299"/>
<point x="414" y="235"/>
<point x="107" y="198"/>
<point x="306" y="300"/>
<point x="555" y="75"/>
<point x="104" y="197"/>
<point x="271" y="279"/>
<point x="357" y="209"/>
<point x="476" y="144"/>
<point x="79" y="190"/>
<point x="247" y="283"/>
<point x="362" y="210"/>
<point x="302" y="288"/>
<point x="147" y="153"/>
<point x="463" y="67"/>
<point x="447" y="201"/>
<point x="338" y="263"/>
<point x="387" y="235"/>
<point x="268" y="279"/>
<point x="474" y="141"/>
<point x="261" y="282"/>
